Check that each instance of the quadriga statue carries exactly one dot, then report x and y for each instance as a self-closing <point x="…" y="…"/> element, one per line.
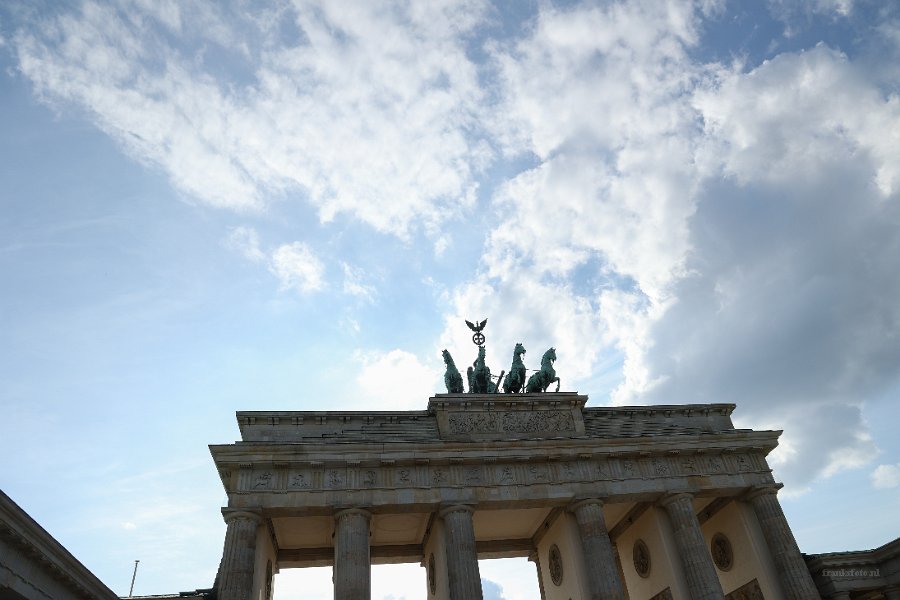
<point x="540" y="381"/>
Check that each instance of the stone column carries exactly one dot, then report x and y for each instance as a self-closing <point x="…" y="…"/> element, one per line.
<point x="796" y="582"/>
<point x="462" y="557"/>
<point x="536" y="559"/>
<point x="699" y="570"/>
<point x="599" y="559"/>
<point x="352" y="567"/>
<point x="235" y="579"/>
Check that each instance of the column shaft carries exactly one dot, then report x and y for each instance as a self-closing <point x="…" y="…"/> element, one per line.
<point x="463" y="575"/>
<point x="599" y="559"/>
<point x="235" y="579"/>
<point x="796" y="582"/>
<point x="699" y="570"/>
<point x="536" y="559"/>
<point x="352" y="565"/>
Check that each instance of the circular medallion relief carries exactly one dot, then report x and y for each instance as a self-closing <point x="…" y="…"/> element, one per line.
<point x="722" y="555"/>
<point x="641" y="557"/>
<point x="555" y="564"/>
<point x="432" y="582"/>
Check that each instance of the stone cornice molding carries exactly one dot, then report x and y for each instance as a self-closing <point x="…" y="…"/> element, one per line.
<point x="20" y="530"/>
<point x="887" y="552"/>
<point x="230" y="514"/>
<point x="497" y="418"/>
<point x="244" y="454"/>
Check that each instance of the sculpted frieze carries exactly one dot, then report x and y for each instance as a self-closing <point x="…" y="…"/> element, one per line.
<point x="521" y="472"/>
<point x="511" y="422"/>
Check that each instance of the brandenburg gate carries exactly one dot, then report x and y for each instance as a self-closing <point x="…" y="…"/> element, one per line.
<point x="641" y="502"/>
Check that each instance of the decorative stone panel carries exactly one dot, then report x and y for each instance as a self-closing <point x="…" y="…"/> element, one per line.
<point x="499" y="417"/>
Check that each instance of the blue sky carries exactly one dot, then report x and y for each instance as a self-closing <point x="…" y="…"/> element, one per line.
<point x="211" y="207"/>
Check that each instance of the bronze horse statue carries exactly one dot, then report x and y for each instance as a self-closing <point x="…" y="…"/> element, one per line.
<point x="452" y="378"/>
<point x="515" y="380"/>
<point x="540" y="381"/>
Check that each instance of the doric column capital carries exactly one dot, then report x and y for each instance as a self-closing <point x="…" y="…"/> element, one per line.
<point x="675" y="497"/>
<point x="576" y="504"/>
<point x="352" y="511"/>
<point x="231" y="514"/>
<point x="762" y="490"/>
<point x="455" y="508"/>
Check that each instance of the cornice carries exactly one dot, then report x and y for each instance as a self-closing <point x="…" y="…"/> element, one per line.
<point x="20" y="530"/>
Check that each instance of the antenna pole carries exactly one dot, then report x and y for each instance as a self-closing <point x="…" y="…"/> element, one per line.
<point x="131" y="590"/>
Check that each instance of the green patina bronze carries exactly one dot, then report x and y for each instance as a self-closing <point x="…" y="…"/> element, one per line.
<point x="540" y="381"/>
<point x="452" y="378"/>
<point x="515" y="380"/>
<point x="479" y="375"/>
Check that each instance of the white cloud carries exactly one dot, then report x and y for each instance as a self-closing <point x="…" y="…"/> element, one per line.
<point x="297" y="267"/>
<point x="245" y="240"/>
<point x="886" y="476"/>
<point x="396" y="380"/>
<point x="370" y="111"/>
<point x="353" y="283"/>
<point x="790" y="10"/>
<point x="793" y="116"/>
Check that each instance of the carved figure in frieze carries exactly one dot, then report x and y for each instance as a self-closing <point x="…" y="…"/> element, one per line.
<point x="262" y="480"/>
<point x="540" y="381"/>
<point x="660" y="467"/>
<point x="542" y="420"/>
<point x="369" y="478"/>
<point x="452" y="378"/>
<point x="438" y="476"/>
<point x="299" y="481"/>
<point x="335" y="479"/>
<point x="514" y="381"/>
<point x="537" y="473"/>
<point x="474" y="423"/>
